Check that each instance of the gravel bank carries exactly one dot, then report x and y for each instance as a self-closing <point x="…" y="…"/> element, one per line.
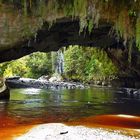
<point x="58" y="131"/>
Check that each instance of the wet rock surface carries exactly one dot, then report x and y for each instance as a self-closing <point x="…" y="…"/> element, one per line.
<point x="132" y="92"/>
<point x="39" y="83"/>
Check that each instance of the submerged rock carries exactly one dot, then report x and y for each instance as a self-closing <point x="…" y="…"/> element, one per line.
<point x="131" y="91"/>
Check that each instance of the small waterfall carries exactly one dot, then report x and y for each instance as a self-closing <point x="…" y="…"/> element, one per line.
<point x="58" y="62"/>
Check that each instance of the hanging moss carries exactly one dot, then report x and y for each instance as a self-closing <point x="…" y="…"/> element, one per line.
<point x="90" y="25"/>
<point x="25" y="7"/>
<point x="30" y="1"/>
<point x="83" y="24"/>
<point x="80" y="8"/>
<point x="130" y="51"/>
<point x="138" y="33"/>
<point x="68" y="10"/>
<point x="121" y="13"/>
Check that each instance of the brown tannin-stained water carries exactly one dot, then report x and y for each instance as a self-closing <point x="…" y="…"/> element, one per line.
<point x="92" y="107"/>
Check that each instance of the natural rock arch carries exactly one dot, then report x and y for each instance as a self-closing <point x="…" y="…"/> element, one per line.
<point x="47" y="25"/>
<point x="65" y="32"/>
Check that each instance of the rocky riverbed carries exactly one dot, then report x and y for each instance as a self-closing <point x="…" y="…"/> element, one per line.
<point x="59" y="131"/>
<point x="42" y="83"/>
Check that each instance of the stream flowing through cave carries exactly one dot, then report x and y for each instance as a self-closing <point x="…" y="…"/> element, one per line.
<point x="65" y="105"/>
<point x="31" y="106"/>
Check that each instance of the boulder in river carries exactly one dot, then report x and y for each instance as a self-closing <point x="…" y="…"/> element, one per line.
<point x="43" y="84"/>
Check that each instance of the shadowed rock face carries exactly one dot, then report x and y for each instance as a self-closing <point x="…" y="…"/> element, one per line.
<point x="63" y="33"/>
<point x="4" y="90"/>
<point x="120" y="57"/>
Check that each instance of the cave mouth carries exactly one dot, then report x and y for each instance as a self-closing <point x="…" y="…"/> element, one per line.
<point x="112" y="31"/>
<point x="45" y="26"/>
<point x="74" y="63"/>
<point x="65" y="32"/>
<point x="30" y="26"/>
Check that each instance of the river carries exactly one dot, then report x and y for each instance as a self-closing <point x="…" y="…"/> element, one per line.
<point x="35" y="106"/>
<point x="75" y="103"/>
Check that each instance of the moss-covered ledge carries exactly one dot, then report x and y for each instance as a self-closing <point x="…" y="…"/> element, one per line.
<point x="63" y="32"/>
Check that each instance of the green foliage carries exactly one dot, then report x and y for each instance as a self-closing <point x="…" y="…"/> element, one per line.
<point x="13" y="68"/>
<point x="25" y="7"/>
<point x="99" y="66"/>
<point x="90" y="25"/>
<point x="34" y="66"/>
<point x="74" y="63"/>
<point x="82" y="64"/>
<point x="86" y="64"/>
<point x="39" y="64"/>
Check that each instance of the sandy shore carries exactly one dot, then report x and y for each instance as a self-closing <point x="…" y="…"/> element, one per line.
<point x="58" y="131"/>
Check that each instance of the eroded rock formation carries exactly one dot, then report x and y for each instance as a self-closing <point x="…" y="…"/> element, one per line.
<point x="65" y="32"/>
<point x="28" y="27"/>
<point x="4" y="90"/>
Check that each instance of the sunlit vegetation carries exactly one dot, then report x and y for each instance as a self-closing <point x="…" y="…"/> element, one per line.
<point x="34" y="66"/>
<point x="39" y="64"/>
<point x="81" y="64"/>
<point x="14" y="68"/>
<point x="88" y="64"/>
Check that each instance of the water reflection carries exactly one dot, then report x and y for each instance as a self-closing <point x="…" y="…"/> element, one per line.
<point x="63" y="105"/>
<point x="31" y="91"/>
